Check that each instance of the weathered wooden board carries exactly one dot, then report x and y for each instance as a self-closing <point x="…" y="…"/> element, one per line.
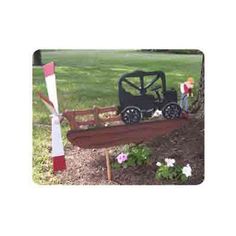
<point x="123" y="134"/>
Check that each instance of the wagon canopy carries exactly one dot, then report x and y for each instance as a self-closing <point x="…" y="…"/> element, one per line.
<point x="140" y="85"/>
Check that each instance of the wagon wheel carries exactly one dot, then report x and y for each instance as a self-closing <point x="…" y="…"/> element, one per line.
<point x="131" y="115"/>
<point x="171" y="110"/>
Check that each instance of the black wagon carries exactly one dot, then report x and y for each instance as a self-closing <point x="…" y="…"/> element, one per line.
<point x="141" y="93"/>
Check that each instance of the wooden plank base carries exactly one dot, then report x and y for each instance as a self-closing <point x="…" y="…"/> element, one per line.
<point x="123" y="134"/>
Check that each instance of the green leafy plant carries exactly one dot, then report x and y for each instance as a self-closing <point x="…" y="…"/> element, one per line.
<point x="134" y="156"/>
<point x="172" y="171"/>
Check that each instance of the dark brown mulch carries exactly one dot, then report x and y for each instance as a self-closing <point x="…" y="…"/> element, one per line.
<point x="185" y="145"/>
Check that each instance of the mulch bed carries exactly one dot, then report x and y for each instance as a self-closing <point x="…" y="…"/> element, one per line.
<point x="185" y="145"/>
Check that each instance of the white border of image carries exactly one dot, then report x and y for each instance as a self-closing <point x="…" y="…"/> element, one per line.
<point x="30" y="209"/>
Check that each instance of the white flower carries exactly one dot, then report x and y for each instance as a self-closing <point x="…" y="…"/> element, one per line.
<point x="158" y="163"/>
<point x="187" y="170"/>
<point x="169" y="162"/>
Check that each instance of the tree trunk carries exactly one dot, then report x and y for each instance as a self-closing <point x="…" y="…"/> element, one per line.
<point x="37" y="61"/>
<point x="198" y="104"/>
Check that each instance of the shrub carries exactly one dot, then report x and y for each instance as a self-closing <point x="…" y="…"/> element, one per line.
<point x="172" y="171"/>
<point x="134" y="156"/>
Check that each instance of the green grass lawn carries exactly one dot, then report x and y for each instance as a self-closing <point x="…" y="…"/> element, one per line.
<point x="89" y="77"/>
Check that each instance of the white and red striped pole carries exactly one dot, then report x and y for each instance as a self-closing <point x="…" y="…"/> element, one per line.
<point x="58" y="155"/>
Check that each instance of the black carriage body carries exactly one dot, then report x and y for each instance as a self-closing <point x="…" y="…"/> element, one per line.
<point x="170" y="96"/>
<point x="145" y="102"/>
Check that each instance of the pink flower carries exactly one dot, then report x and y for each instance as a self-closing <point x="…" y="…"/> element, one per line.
<point x="122" y="157"/>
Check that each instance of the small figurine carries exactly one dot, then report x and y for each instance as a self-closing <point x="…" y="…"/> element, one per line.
<point x="186" y="91"/>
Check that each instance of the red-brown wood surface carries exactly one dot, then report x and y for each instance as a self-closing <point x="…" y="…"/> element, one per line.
<point x="122" y="134"/>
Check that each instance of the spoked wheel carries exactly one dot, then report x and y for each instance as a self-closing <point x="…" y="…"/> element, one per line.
<point x="171" y="110"/>
<point x="131" y="115"/>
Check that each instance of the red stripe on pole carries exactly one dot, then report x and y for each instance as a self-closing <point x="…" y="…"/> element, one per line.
<point x="59" y="163"/>
<point x="49" y="69"/>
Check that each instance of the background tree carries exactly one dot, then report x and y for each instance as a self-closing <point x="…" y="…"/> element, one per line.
<point x="198" y="104"/>
<point x="37" y="60"/>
